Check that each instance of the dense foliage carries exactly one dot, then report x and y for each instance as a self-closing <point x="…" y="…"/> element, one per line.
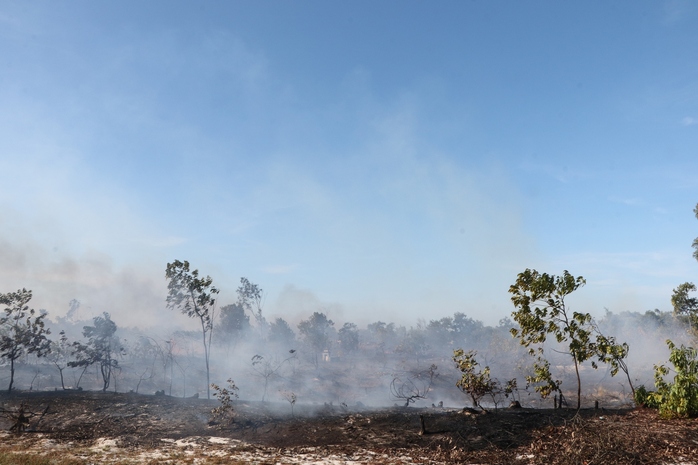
<point x="474" y="381"/>
<point x="678" y="398"/>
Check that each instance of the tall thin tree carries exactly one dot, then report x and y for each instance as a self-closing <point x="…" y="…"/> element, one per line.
<point x="194" y="297"/>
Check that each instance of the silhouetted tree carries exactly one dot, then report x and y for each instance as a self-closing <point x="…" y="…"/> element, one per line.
<point x="250" y="297"/>
<point x="267" y="368"/>
<point x="382" y="334"/>
<point x="457" y="331"/>
<point x="281" y="334"/>
<point x="101" y="348"/>
<point x="193" y="296"/>
<point x="316" y="332"/>
<point x="349" y="338"/>
<point x="234" y="324"/>
<point x="441" y="331"/>
<point x="414" y="345"/>
<point x="145" y="356"/>
<point x="21" y="330"/>
<point x="60" y="354"/>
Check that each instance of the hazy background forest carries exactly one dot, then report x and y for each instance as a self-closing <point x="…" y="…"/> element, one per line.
<point x="340" y="363"/>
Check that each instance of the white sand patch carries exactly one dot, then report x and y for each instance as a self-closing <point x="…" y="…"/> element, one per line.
<point x="186" y="442"/>
<point x="105" y="443"/>
<point x="202" y="450"/>
<point x="151" y="455"/>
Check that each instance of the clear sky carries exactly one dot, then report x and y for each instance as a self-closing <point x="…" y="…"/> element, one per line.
<point x="374" y="160"/>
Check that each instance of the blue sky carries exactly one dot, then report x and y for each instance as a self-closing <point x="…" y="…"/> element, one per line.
<point x="374" y="160"/>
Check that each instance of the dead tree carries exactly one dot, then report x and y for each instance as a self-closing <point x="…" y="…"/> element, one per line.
<point x="413" y="386"/>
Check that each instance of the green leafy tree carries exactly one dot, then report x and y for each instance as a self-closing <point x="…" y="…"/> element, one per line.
<point x="685" y="307"/>
<point x="21" y="330"/>
<point x="680" y="397"/>
<point x="612" y="353"/>
<point x="543" y="380"/>
<point x="542" y="311"/>
<point x="194" y="297"/>
<point x="102" y="348"/>
<point x="473" y="381"/>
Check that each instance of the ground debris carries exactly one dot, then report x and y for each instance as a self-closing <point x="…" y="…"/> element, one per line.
<point x="20" y="417"/>
<point x="132" y="428"/>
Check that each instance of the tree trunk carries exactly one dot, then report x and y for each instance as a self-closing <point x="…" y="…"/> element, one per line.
<point x="77" y="386"/>
<point x="627" y="375"/>
<point x="106" y="375"/>
<point x="579" y="384"/>
<point x="208" y="373"/>
<point x="12" y="374"/>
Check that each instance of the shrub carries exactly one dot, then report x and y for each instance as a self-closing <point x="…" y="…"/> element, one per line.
<point x="224" y="414"/>
<point x="645" y="398"/>
<point x="477" y="383"/>
<point x="680" y="397"/>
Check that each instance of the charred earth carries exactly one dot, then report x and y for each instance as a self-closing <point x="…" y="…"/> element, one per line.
<point x="95" y="427"/>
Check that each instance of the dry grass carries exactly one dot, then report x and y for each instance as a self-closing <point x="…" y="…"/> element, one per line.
<point x="23" y="458"/>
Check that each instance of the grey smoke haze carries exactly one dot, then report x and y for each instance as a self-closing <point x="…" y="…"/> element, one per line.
<point x="169" y="358"/>
<point x="363" y="182"/>
<point x="135" y="298"/>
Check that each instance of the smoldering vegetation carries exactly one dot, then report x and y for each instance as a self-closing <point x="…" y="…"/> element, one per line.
<point x="336" y="366"/>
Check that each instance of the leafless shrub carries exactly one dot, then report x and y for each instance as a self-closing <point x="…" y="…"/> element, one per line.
<point x="224" y="414"/>
<point x="413" y="386"/>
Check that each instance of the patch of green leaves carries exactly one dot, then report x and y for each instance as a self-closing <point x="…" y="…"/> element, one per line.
<point x="646" y="398"/>
<point x="680" y="397"/>
<point x="478" y="383"/>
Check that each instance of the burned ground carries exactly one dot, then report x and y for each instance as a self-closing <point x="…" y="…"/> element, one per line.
<point x="148" y="425"/>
